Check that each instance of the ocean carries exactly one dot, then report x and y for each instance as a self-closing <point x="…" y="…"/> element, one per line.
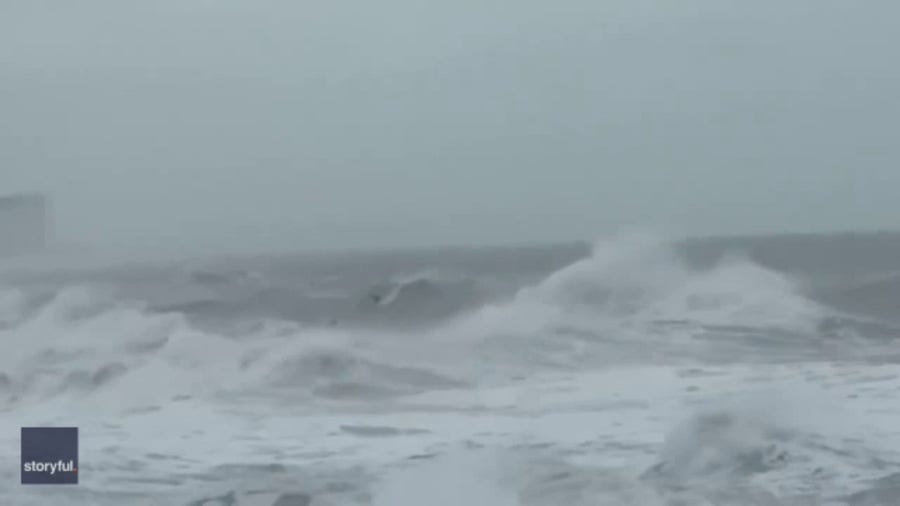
<point x="635" y="370"/>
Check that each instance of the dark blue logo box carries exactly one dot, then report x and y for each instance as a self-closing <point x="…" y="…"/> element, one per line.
<point x="49" y="455"/>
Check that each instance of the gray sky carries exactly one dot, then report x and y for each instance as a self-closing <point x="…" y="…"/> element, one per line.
<point x="225" y="124"/>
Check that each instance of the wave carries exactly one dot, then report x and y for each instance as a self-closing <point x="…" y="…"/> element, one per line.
<point x="422" y="298"/>
<point x="632" y="298"/>
<point x="875" y="295"/>
<point x="722" y="443"/>
<point x="336" y="373"/>
<point x="641" y="278"/>
<point x="416" y="300"/>
<point x="638" y="286"/>
<point x="85" y="344"/>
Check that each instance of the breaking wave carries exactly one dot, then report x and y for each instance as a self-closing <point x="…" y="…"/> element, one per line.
<point x="632" y="295"/>
<point x="263" y="347"/>
<point x="83" y="343"/>
<point x="635" y="295"/>
<point x="641" y="278"/>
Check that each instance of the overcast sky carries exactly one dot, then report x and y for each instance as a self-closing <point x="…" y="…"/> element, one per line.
<point x="226" y="124"/>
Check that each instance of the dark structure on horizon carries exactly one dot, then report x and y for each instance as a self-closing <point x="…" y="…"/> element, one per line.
<point x="24" y="223"/>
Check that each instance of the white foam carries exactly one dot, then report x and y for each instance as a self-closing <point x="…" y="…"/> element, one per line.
<point x="476" y="478"/>
<point x="524" y="394"/>
<point x="617" y="298"/>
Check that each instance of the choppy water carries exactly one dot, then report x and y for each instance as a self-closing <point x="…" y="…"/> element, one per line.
<point x="632" y="371"/>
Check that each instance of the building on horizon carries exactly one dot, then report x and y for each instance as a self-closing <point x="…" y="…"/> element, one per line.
<point x="24" y="223"/>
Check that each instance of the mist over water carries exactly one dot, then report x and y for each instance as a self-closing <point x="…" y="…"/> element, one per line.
<point x="208" y="126"/>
